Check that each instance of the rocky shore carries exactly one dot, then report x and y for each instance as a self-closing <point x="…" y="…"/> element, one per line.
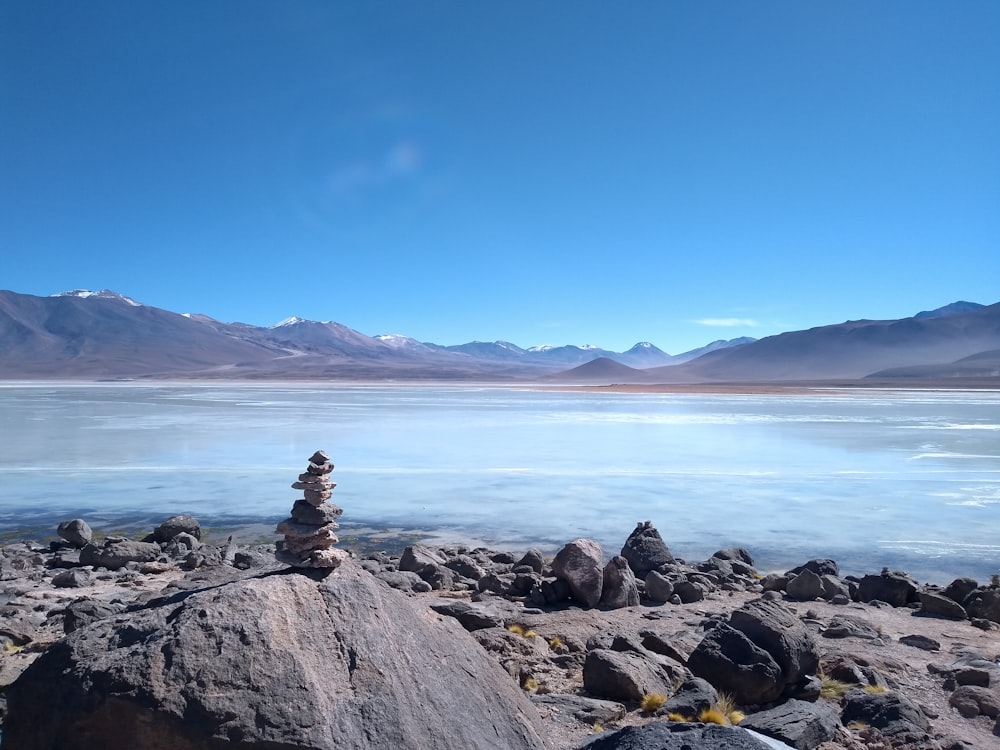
<point x="167" y="641"/>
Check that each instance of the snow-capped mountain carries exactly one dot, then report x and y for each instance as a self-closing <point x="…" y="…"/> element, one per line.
<point x="84" y="334"/>
<point x="102" y="294"/>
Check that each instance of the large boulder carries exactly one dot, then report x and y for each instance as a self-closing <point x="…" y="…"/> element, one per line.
<point x="289" y="660"/>
<point x="177" y="525"/>
<point x="619" y="588"/>
<point x="764" y="652"/>
<point x="629" y="675"/>
<point x="897" y="589"/>
<point x="776" y="629"/>
<point x="732" y="663"/>
<point x="581" y="564"/>
<point x="645" y="550"/>
<point x="802" y="725"/>
<point x="984" y="603"/>
<point x="77" y="532"/>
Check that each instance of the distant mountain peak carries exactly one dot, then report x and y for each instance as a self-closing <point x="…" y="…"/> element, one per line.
<point x="102" y="294"/>
<point x="290" y="322"/>
<point x="955" y="308"/>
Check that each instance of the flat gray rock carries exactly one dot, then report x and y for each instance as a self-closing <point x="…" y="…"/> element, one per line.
<point x="284" y="661"/>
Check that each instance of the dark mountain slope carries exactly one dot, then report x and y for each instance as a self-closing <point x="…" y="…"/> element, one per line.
<point x="853" y="349"/>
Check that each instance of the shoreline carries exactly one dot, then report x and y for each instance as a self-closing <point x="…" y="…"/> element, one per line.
<point x="366" y="536"/>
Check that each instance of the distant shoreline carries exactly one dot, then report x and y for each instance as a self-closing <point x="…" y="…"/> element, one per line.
<point x="807" y="387"/>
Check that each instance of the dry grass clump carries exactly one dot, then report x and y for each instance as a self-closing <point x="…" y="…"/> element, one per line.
<point x="875" y="689"/>
<point x="651" y="702"/>
<point x="519" y="630"/>
<point x="530" y="685"/>
<point x="832" y="689"/>
<point x="713" y="716"/>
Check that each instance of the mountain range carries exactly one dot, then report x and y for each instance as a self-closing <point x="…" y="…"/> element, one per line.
<point x="105" y="335"/>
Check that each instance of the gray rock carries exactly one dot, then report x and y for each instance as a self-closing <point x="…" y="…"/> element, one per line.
<point x="115" y="555"/>
<point x="735" y="553"/>
<point x="897" y="589"/>
<point x="305" y="512"/>
<point x="76" y="532"/>
<point x="466" y="567"/>
<point x="689" y="592"/>
<point x="619" y="587"/>
<point x="849" y="626"/>
<point x="273" y="661"/>
<point x="805" y="586"/>
<point x="645" y="550"/>
<point x="73" y="578"/>
<point x="691" y="698"/>
<point x="821" y="567"/>
<point x="628" y="675"/>
<point x="416" y="557"/>
<point x="889" y="712"/>
<point x="775" y="628"/>
<point x="474" y="615"/>
<point x="174" y="526"/>
<point x="802" y="725"/>
<point x="678" y="736"/>
<point x="580" y="708"/>
<point x="735" y="665"/>
<point x="984" y="604"/>
<point x="581" y="564"/>
<point x="85" y="611"/>
<point x="534" y="559"/>
<point x="939" y="605"/>
<point x="975" y="700"/>
<point x="922" y="642"/>
<point x="402" y="580"/>
<point x="960" y="588"/>
<point x="659" y="588"/>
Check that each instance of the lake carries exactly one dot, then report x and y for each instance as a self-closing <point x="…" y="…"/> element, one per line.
<point x="905" y="479"/>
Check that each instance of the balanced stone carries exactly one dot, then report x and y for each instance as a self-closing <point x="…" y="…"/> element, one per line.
<point x="309" y="531"/>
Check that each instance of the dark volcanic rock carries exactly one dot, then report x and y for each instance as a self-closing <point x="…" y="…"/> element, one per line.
<point x="588" y="710"/>
<point x="984" y="603"/>
<point x="691" y="698"/>
<point x="581" y="564"/>
<point x="629" y="675"/>
<point x="897" y="589"/>
<point x="277" y="662"/>
<point x="734" y="664"/>
<point x="77" y="532"/>
<point x="939" y="605"/>
<point x="677" y="736"/>
<point x="619" y="588"/>
<point x="645" y="550"/>
<point x="174" y="526"/>
<point x="659" y="588"/>
<point x="802" y="725"/>
<point x="890" y="712"/>
<point x="117" y="554"/>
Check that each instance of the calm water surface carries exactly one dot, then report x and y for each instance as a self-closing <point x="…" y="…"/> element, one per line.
<point x="905" y="479"/>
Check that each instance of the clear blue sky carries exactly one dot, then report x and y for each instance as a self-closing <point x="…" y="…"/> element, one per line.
<point x="555" y="172"/>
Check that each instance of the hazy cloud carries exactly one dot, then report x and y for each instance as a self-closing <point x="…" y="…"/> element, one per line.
<point x="727" y="322"/>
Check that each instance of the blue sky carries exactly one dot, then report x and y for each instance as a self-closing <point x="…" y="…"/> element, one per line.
<point x="556" y="172"/>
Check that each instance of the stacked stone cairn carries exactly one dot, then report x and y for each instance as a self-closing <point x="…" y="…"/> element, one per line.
<point x="309" y="531"/>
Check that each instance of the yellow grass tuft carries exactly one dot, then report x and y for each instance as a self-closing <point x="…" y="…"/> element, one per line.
<point x="875" y="689"/>
<point x="556" y="643"/>
<point x="735" y="717"/>
<point x="832" y="689"/>
<point x="679" y="718"/>
<point x="529" y="634"/>
<point x="516" y="629"/>
<point x="598" y="728"/>
<point x="726" y="704"/>
<point x="530" y="684"/>
<point x="651" y="702"/>
<point x="713" y="716"/>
